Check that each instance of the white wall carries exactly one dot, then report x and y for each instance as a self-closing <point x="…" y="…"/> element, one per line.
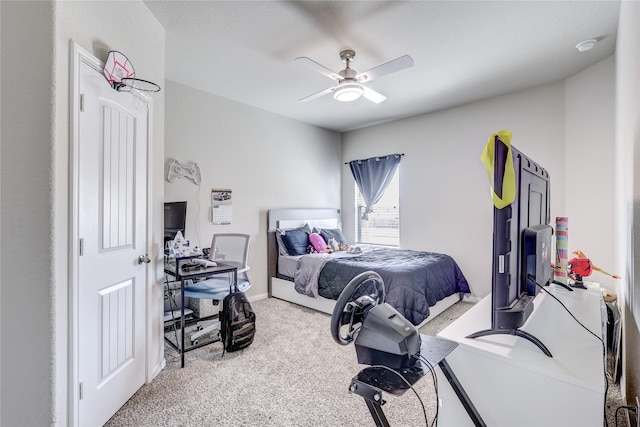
<point x="627" y="165"/>
<point x="27" y="257"/>
<point x="0" y="213"/>
<point x="445" y="203"/>
<point x="268" y="161"/>
<point x="35" y="184"/>
<point x="590" y="158"/>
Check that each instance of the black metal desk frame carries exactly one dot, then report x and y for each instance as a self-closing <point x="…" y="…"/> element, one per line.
<point x="177" y="272"/>
<point x="372" y="381"/>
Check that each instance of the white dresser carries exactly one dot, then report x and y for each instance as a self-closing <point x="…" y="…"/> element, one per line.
<point x="512" y="383"/>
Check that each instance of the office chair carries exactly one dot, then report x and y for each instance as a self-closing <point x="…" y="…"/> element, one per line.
<point x="227" y="248"/>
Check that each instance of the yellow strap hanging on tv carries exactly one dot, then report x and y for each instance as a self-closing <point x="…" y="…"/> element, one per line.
<point x="509" y="177"/>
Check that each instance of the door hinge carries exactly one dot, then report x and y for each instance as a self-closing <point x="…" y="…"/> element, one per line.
<point x="82" y="102"/>
<point x="81" y="391"/>
<point x="81" y="246"/>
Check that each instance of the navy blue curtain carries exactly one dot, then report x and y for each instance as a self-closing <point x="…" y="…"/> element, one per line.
<point x="373" y="176"/>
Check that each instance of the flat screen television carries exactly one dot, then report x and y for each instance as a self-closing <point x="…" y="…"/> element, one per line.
<point x="521" y="258"/>
<point x="175" y="218"/>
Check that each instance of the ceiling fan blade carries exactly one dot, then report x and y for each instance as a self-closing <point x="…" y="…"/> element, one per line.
<point x="387" y="68"/>
<point x="373" y="96"/>
<point x="316" y="95"/>
<point x="317" y="67"/>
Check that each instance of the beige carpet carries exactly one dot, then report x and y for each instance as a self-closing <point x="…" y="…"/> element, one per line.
<point x="294" y="374"/>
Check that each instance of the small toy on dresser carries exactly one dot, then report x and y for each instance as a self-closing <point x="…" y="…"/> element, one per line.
<point x="581" y="266"/>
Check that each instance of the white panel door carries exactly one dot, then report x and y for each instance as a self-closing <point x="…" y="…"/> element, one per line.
<point x="112" y="200"/>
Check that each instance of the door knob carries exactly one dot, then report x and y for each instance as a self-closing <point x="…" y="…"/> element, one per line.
<point x="144" y="259"/>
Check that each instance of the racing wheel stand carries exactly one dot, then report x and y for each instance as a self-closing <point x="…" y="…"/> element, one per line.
<point x="371" y="382"/>
<point x="397" y="354"/>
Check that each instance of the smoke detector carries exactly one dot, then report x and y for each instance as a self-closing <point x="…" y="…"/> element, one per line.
<point x="586" y="45"/>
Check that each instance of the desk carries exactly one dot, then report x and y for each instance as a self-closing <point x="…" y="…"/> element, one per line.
<point x="512" y="383"/>
<point x="175" y="269"/>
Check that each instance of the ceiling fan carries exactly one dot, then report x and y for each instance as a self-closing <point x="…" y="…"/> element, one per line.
<point x="350" y="84"/>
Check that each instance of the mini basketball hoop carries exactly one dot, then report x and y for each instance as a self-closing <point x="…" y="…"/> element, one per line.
<point x="128" y="83"/>
<point x="121" y="75"/>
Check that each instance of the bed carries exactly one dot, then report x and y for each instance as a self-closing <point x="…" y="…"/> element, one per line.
<point x="420" y="285"/>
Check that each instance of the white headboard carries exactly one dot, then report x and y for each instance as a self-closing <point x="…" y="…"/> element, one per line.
<point x="313" y="223"/>
<point x="293" y="218"/>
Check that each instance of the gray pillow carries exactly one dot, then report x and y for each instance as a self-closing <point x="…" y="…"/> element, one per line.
<point x="282" y="249"/>
<point x="334" y="233"/>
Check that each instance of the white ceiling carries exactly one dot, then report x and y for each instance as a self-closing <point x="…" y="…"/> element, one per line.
<point x="463" y="51"/>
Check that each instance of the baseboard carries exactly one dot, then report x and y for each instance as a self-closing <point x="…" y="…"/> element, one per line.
<point x="158" y="368"/>
<point x="258" y="297"/>
<point x="471" y="298"/>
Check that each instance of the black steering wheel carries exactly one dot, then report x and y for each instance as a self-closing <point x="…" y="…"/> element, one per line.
<point x="351" y="312"/>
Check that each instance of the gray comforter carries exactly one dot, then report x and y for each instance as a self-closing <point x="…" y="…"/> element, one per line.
<point x="413" y="280"/>
<point x="308" y="271"/>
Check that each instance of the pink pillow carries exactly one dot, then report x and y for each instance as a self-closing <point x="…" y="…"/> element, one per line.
<point x="318" y="242"/>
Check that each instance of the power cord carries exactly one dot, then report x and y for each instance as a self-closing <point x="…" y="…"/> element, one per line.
<point x="198" y="207"/>
<point x="434" y="378"/>
<point x="628" y="408"/>
<point x="173" y="306"/>
<point x="604" y="348"/>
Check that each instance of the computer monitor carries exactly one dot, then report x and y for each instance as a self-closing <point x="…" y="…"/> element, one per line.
<point x="521" y="244"/>
<point x="175" y="218"/>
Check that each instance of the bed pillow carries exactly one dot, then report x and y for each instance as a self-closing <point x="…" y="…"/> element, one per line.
<point x="296" y="240"/>
<point x="334" y="233"/>
<point x="318" y="242"/>
<point x="282" y="249"/>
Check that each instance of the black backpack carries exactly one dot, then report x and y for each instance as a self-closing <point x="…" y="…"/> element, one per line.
<point x="238" y="323"/>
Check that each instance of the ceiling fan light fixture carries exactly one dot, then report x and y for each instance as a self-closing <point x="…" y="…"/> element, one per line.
<point x="346" y="92"/>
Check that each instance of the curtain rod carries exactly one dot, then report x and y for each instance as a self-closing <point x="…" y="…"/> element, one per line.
<point x="400" y="154"/>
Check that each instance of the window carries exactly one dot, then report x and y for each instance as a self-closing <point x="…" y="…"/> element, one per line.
<point x="383" y="226"/>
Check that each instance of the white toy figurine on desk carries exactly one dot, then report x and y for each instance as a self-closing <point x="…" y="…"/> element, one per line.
<point x="179" y="246"/>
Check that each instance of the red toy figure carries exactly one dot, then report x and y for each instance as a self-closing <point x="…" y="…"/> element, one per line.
<point x="581" y="254"/>
<point x="579" y="268"/>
